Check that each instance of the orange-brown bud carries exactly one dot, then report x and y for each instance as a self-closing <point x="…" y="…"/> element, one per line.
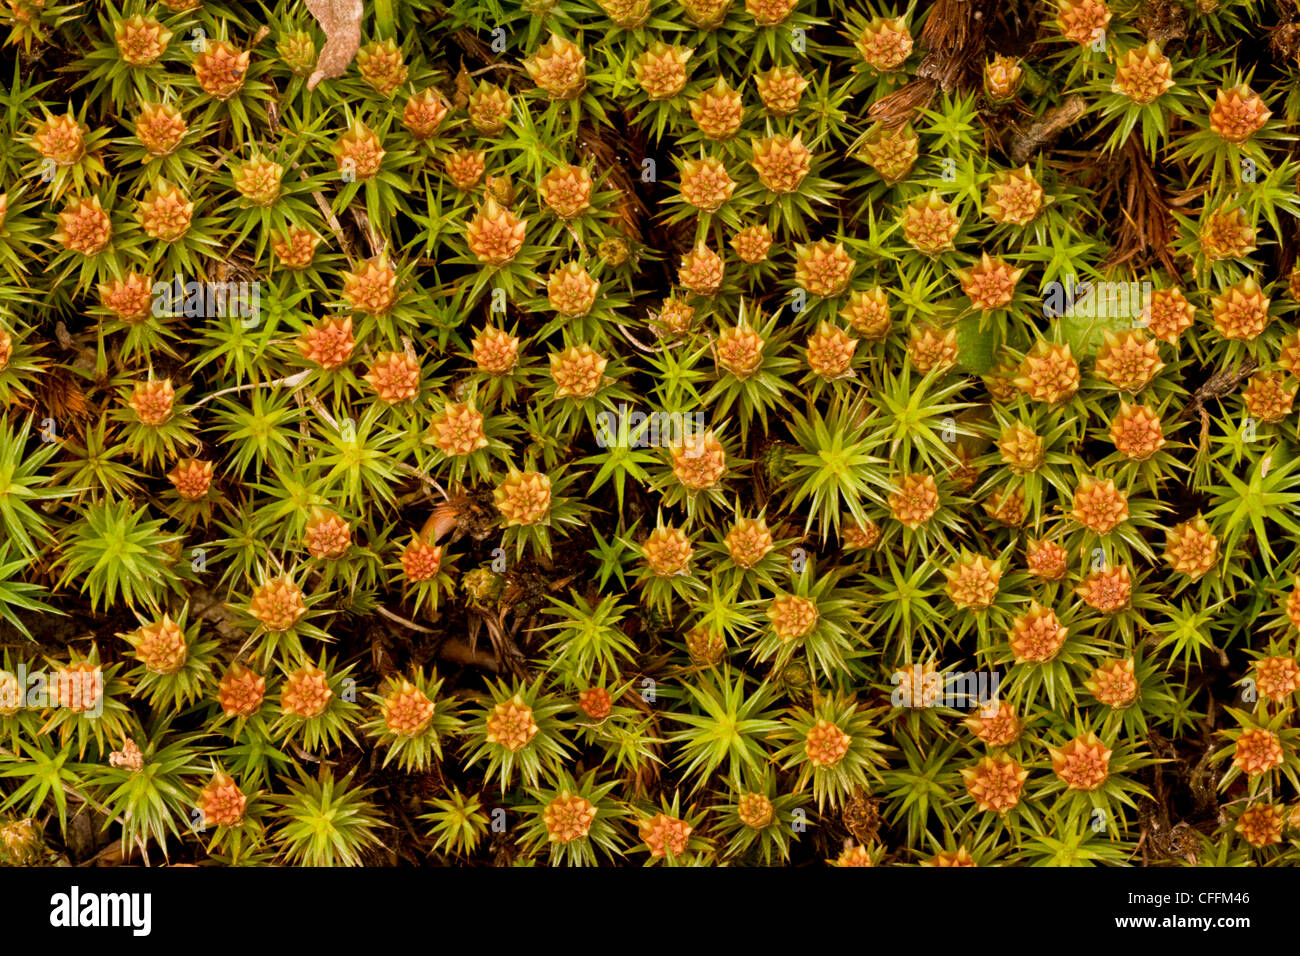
<point x="558" y="68"/>
<point x="328" y="344"/>
<point x="781" y="162"/>
<point x="1191" y="548"/>
<point x="160" y="128"/>
<point x="661" y="70"/>
<point x="241" y="691"/>
<point x="424" y="113"/>
<point x="153" y="402"/>
<point x="380" y="65"/>
<point x="221" y="803"/>
<point x="191" y="478"/>
<point x="221" y="69"/>
<point x="395" y="377"/>
<point x="1143" y="74"/>
<point x="914" y="500"/>
<point x="140" y="40"/>
<point x="1014" y="197"/>
<point x="1258" y="750"/>
<point x="1107" y="590"/>
<point x="1114" y="683"/>
<point x="995" y="783"/>
<point x="780" y="88"/>
<point x="327" y="535"/>
<point x="885" y="43"/>
<point x="372" y="289"/>
<point x="1098" y="505"/>
<point x="511" y="724"/>
<point x="822" y="268"/>
<point x="278" y="604"/>
<point x="566" y="190"/>
<point x="406" y="709"/>
<point x="1170" y="314"/>
<point x="1083" y="763"/>
<point x="929" y="223"/>
<point x="164" y="212"/>
<point x="1037" y="636"/>
<point x="84" y="227"/>
<point x="161" y="646"/>
<point x="306" y="693"/>
<point x="523" y="498"/>
<point x="699" y="461"/>
<point x="1048" y="373"/>
<point x="701" y="271"/>
<point x="1137" y="432"/>
<point x="578" y="372"/>
<point x="826" y="745"/>
<point x="295" y="248"/>
<point x="667" y="552"/>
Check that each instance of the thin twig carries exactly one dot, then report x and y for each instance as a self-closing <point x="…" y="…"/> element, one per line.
<point x="295" y="379"/>
<point x="636" y="343"/>
<point x="398" y="619"/>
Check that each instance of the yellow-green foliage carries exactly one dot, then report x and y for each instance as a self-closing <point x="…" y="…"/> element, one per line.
<point x="649" y="431"/>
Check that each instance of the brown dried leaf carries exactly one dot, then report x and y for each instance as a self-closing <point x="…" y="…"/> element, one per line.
<point x="1145" y="225"/>
<point x="952" y="37"/>
<point x="341" y="21"/>
<point x="902" y="105"/>
<point x="1046" y="128"/>
<point x="464" y="87"/>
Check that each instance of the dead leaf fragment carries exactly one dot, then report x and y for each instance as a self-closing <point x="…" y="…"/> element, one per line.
<point x="341" y="21"/>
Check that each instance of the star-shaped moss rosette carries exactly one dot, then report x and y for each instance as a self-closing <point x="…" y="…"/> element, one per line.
<point x="729" y="726"/>
<point x="414" y="719"/>
<point x="279" y="614"/>
<point x="1131" y="692"/>
<point x="1039" y="647"/>
<point x="68" y="152"/>
<point x="143" y="786"/>
<point x="812" y="618"/>
<point x="532" y="507"/>
<point x="1262" y="751"/>
<point x="457" y="823"/>
<point x="518" y="732"/>
<point x="158" y="426"/>
<point x="328" y="820"/>
<point x="761" y="822"/>
<point x="694" y="468"/>
<point x="82" y="702"/>
<point x="577" y="820"/>
<point x="318" y="705"/>
<point x="465" y="443"/>
<point x="663" y="567"/>
<point x="834" y="747"/>
<point x="1091" y="777"/>
<point x="175" y="665"/>
<point x="747" y="553"/>
<point x="583" y="385"/>
<point x="231" y="818"/>
<point x="752" y="358"/>
<point x="590" y="642"/>
<point x="423" y="569"/>
<point x="117" y="554"/>
<point x="668" y="833"/>
<point x="614" y="717"/>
